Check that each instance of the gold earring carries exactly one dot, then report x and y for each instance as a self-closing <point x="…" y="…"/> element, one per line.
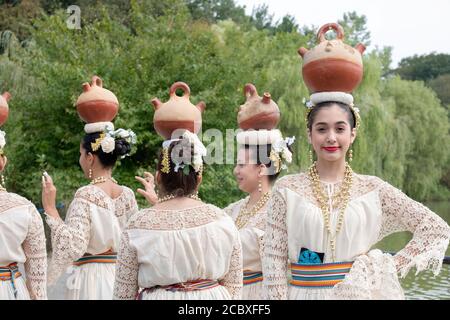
<point x="350" y="156"/>
<point x="311" y="156"/>
<point x="90" y="174"/>
<point x="3" y="180"/>
<point x="260" y="186"/>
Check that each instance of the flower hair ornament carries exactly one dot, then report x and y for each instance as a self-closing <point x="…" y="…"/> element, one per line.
<point x="107" y="139"/>
<point x="187" y="140"/>
<point x="2" y="141"/>
<point x="341" y="97"/>
<point x="280" y="155"/>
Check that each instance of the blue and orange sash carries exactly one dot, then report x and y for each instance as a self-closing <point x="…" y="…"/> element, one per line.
<point x="251" y="277"/>
<point x="107" y="257"/>
<point x="323" y="275"/>
<point x="10" y="273"/>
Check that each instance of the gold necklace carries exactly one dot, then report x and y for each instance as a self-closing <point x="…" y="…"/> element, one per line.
<point x="172" y="196"/>
<point x="245" y="214"/>
<point x="340" y="200"/>
<point x="101" y="180"/>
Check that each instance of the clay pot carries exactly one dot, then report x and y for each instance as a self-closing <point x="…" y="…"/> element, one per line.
<point x="332" y="65"/>
<point x="4" y="109"/>
<point x="177" y="113"/>
<point x="258" y="112"/>
<point x="97" y="104"/>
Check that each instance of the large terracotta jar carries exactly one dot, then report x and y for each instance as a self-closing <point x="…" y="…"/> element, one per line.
<point x="177" y="113"/>
<point x="97" y="104"/>
<point x="258" y="112"/>
<point x="4" y="109"/>
<point x="332" y="65"/>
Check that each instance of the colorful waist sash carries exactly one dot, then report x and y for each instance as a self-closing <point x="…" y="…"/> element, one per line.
<point x="251" y="277"/>
<point x="190" y="286"/>
<point x="107" y="257"/>
<point x="323" y="275"/>
<point x="10" y="273"/>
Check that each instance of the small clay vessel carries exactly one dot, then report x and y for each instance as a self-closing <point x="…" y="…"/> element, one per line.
<point x="97" y="104"/>
<point x="177" y="112"/>
<point x="4" y="109"/>
<point x="332" y="65"/>
<point x="258" y="112"/>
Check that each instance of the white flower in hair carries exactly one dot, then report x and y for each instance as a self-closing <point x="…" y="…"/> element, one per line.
<point x="2" y="139"/>
<point x="108" y="144"/>
<point x="199" y="150"/>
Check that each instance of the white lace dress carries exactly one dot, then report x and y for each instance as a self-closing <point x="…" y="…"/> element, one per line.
<point x="376" y="209"/>
<point x="22" y="240"/>
<point x="93" y="225"/>
<point x="167" y="247"/>
<point x="252" y="246"/>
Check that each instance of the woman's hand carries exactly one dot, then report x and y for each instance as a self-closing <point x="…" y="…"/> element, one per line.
<point x="49" y="196"/>
<point x="149" y="184"/>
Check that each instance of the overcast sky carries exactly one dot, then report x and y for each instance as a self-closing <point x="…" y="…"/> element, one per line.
<point x="410" y="27"/>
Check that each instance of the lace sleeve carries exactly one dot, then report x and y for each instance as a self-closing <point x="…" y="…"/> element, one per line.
<point x="275" y="253"/>
<point x="431" y="234"/>
<point x="126" y="283"/>
<point x="36" y="258"/>
<point x="132" y="204"/>
<point x="233" y="280"/>
<point x="70" y="238"/>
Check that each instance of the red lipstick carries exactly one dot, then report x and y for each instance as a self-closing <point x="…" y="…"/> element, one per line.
<point x="331" y="149"/>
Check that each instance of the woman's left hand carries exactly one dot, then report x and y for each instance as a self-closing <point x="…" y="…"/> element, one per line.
<point x="149" y="184"/>
<point x="49" y="196"/>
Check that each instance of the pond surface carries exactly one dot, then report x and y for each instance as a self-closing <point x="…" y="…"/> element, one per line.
<point x="424" y="285"/>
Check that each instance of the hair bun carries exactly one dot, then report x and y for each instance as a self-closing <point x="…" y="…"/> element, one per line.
<point x="122" y="147"/>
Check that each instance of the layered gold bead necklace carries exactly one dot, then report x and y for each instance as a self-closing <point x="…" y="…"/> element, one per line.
<point x="245" y="214"/>
<point x="101" y="180"/>
<point x="172" y="196"/>
<point x="340" y="200"/>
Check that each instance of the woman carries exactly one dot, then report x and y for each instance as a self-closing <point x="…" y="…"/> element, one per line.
<point x="325" y="221"/>
<point x="89" y="237"/>
<point x="258" y="166"/>
<point x="22" y="240"/>
<point x="181" y="248"/>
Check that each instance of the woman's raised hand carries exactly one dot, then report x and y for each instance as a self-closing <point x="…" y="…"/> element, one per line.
<point x="49" y="196"/>
<point x="148" y="181"/>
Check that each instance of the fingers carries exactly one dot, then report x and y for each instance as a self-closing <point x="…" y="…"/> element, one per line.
<point x="149" y="177"/>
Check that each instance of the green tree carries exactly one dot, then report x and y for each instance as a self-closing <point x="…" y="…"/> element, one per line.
<point x="355" y="28"/>
<point x="424" y="67"/>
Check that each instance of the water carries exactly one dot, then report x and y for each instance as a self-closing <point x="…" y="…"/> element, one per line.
<point x="423" y="286"/>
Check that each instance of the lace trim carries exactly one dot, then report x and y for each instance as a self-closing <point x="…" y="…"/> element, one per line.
<point x="275" y="254"/>
<point x="152" y="219"/>
<point x="11" y="200"/>
<point x="35" y="251"/>
<point x="127" y="269"/>
<point x="372" y="277"/>
<point x="301" y="184"/>
<point x="233" y="280"/>
<point x="431" y="233"/>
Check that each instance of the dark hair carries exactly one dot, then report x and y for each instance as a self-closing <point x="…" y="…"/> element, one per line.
<point x="178" y="183"/>
<point x="262" y="153"/>
<point x="327" y="104"/>
<point x="108" y="160"/>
